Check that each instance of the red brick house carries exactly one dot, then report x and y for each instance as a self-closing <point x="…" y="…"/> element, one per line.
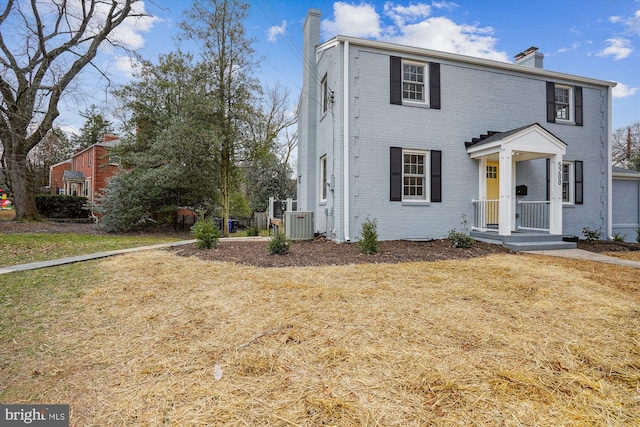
<point x="86" y="173"/>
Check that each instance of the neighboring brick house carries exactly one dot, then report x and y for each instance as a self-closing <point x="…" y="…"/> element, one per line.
<point x="419" y="139"/>
<point x="86" y="173"/>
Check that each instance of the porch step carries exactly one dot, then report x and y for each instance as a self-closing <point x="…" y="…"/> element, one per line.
<point x="539" y="246"/>
<point x="526" y="241"/>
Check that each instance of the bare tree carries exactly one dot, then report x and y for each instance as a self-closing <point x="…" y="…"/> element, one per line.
<point x="43" y="47"/>
<point x="625" y="146"/>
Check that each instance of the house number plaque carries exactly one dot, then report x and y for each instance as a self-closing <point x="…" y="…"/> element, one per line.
<point x="559" y="173"/>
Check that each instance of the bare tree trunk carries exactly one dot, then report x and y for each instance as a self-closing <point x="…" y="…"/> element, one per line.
<point x="225" y="170"/>
<point x="23" y="196"/>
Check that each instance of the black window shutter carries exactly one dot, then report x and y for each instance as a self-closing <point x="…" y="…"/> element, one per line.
<point x="579" y="194"/>
<point x="551" y="102"/>
<point x="434" y="85"/>
<point x="548" y="179"/>
<point x="436" y="176"/>
<point x="395" y="85"/>
<point x="395" y="187"/>
<point x="577" y="97"/>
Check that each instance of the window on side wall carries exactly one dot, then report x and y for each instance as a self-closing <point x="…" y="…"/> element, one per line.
<point x="324" y="95"/>
<point x="323" y="178"/>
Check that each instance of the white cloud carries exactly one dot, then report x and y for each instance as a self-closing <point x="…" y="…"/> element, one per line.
<point x="125" y="65"/>
<point x="444" y="5"/>
<point x="619" y="48"/>
<point x="130" y="32"/>
<point x="614" y="19"/>
<point x="574" y="46"/>
<point x="412" y="25"/>
<point x="357" y="21"/>
<point x="275" y="31"/>
<point x="403" y="14"/>
<point x="622" y="91"/>
<point x="443" y="34"/>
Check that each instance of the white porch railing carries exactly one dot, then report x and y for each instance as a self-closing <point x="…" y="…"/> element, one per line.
<point x="485" y="214"/>
<point x="534" y="215"/>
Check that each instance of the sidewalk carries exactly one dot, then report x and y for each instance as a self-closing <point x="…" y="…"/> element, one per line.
<point x="587" y="256"/>
<point x="87" y="257"/>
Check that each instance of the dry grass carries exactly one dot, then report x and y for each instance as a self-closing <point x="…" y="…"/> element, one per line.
<point x="632" y="256"/>
<point x="506" y="340"/>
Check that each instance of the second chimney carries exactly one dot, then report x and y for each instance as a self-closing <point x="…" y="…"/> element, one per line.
<point x="530" y="58"/>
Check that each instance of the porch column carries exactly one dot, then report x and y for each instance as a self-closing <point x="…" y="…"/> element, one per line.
<point x="506" y="185"/>
<point x="555" y="195"/>
<point x="482" y="179"/>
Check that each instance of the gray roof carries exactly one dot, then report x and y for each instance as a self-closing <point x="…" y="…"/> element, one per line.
<point x="70" y="175"/>
<point x="493" y="136"/>
<point x="622" y="171"/>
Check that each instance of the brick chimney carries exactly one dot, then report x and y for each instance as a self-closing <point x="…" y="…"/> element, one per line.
<point x="530" y="58"/>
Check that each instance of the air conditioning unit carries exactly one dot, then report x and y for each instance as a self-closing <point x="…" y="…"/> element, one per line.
<point x="298" y="225"/>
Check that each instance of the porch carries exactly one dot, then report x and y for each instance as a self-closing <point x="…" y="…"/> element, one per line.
<point x="503" y="208"/>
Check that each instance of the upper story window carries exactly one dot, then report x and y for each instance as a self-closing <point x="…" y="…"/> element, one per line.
<point x="413" y="82"/>
<point x="564" y="104"/>
<point x="324" y="95"/>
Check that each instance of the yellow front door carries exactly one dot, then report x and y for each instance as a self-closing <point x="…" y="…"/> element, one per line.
<point x="493" y="193"/>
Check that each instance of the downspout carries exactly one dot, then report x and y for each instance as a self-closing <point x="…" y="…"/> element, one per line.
<point x="345" y="157"/>
<point x="609" y="168"/>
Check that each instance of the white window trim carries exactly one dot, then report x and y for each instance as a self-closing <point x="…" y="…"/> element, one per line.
<point x="324" y="191"/>
<point x="572" y="183"/>
<point x="571" y="118"/>
<point x="324" y="95"/>
<point x="425" y="82"/>
<point x="426" y="181"/>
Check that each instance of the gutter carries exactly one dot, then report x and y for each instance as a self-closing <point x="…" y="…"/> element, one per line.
<point x="609" y="168"/>
<point x="345" y="142"/>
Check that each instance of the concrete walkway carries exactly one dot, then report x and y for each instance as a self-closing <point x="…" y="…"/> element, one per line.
<point x="587" y="256"/>
<point x="87" y="257"/>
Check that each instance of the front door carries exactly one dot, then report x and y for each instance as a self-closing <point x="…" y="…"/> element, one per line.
<point x="493" y="194"/>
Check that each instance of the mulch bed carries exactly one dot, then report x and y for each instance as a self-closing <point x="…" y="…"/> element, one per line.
<point x="321" y="251"/>
<point x="315" y="252"/>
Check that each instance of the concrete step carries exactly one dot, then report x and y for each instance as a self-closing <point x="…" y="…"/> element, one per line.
<point x="539" y="246"/>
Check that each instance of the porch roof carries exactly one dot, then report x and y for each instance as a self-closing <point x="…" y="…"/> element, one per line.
<point x="73" y="176"/>
<point x="532" y="139"/>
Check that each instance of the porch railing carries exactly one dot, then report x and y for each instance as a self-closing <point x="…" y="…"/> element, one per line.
<point x="485" y="214"/>
<point x="534" y="215"/>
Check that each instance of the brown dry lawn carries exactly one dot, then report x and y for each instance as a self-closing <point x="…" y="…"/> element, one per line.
<point x="507" y="340"/>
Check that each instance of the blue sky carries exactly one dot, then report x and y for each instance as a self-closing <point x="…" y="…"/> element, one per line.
<point x="591" y="38"/>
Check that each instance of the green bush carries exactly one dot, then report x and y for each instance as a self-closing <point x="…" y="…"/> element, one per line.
<point x="591" y="235"/>
<point x="460" y="239"/>
<point x="278" y="244"/>
<point x="253" y="231"/>
<point x="368" y="242"/>
<point x="638" y="234"/>
<point x="62" y="206"/>
<point x="617" y="237"/>
<point x="206" y="233"/>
